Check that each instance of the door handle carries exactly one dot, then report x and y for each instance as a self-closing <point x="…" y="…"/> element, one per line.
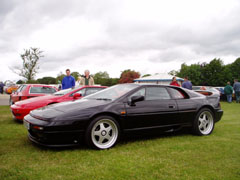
<point x="171" y="106"/>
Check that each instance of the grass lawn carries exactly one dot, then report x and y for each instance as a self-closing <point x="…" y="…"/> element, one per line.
<point x="174" y="156"/>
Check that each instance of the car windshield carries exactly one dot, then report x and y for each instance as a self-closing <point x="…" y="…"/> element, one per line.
<point x="66" y="91"/>
<point x="21" y="88"/>
<point x="113" y="92"/>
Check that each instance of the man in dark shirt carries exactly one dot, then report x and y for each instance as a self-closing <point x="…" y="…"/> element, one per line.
<point x="236" y="87"/>
<point x="1" y="87"/>
<point x="68" y="81"/>
<point x="228" y="90"/>
<point x="187" y="84"/>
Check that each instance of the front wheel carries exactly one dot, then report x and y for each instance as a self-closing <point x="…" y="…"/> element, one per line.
<point x="102" y="133"/>
<point x="204" y="122"/>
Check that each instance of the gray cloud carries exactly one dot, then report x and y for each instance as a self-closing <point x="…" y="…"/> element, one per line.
<point x="126" y="30"/>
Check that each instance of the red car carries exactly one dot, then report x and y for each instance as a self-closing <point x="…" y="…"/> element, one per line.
<point x="22" y="108"/>
<point x="26" y="91"/>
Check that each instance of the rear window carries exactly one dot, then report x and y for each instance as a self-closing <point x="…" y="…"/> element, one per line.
<point x="42" y="90"/>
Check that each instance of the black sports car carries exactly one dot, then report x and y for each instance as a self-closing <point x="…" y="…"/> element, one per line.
<point x="101" y="118"/>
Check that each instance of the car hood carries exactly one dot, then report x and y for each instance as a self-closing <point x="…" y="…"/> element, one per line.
<point x="37" y="100"/>
<point x="67" y="109"/>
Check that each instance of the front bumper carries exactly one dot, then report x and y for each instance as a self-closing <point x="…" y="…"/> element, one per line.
<point x="19" y="113"/>
<point x="55" y="139"/>
<point x="50" y="135"/>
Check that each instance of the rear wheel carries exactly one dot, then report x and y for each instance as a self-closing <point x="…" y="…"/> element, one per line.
<point x="204" y="122"/>
<point x="102" y="133"/>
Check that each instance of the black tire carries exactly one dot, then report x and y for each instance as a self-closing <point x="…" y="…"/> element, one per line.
<point x="102" y="133"/>
<point x="204" y="122"/>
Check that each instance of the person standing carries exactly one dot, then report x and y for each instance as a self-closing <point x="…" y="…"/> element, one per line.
<point x="86" y="79"/>
<point x="174" y="82"/>
<point x="1" y="87"/>
<point x="187" y="84"/>
<point x="228" y="90"/>
<point x="68" y="81"/>
<point x="236" y="87"/>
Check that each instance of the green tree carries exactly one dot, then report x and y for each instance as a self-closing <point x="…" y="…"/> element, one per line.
<point x="75" y="75"/>
<point x="20" y="82"/>
<point x="47" y="80"/>
<point x="173" y="72"/>
<point x="102" y="78"/>
<point x="213" y="73"/>
<point x="146" y="75"/>
<point x="235" y="69"/>
<point x="32" y="81"/>
<point x="30" y="67"/>
<point x="193" y="72"/>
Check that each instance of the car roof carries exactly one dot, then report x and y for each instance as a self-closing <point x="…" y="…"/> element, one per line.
<point x="153" y="84"/>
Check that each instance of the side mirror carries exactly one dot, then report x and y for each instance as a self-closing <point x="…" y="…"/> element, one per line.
<point x="77" y="95"/>
<point x="135" y="99"/>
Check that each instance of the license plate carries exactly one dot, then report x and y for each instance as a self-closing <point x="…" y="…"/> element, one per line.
<point x="27" y="125"/>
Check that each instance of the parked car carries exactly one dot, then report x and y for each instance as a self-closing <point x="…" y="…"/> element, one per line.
<point x="11" y="88"/>
<point x="26" y="91"/>
<point x="22" y="108"/>
<point x="102" y="117"/>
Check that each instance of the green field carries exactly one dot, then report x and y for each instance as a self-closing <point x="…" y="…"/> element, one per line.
<point x="173" y="156"/>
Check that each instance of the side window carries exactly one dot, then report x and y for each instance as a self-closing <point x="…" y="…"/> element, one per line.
<point x="42" y="90"/>
<point x="81" y="91"/>
<point x="140" y="92"/>
<point x="155" y="93"/>
<point x="92" y="90"/>
<point x="176" y="94"/>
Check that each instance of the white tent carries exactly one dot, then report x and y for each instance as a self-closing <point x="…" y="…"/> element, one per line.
<point x="160" y="78"/>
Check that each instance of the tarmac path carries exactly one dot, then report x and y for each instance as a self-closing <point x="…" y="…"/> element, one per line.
<point x="4" y="99"/>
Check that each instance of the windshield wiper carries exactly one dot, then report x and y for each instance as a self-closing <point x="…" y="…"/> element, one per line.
<point x="105" y="99"/>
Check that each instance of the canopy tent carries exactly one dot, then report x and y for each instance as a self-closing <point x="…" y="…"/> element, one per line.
<point x="160" y="78"/>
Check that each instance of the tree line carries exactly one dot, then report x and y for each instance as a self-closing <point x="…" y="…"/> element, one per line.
<point x="214" y="73"/>
<point x="101" y="78"/>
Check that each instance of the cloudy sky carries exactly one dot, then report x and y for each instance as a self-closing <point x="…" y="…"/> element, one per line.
<point x="148" y="36"/>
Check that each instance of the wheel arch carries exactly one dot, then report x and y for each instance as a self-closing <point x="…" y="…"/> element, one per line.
<point x="111" y="114"/>
<point x="208" y="107"/>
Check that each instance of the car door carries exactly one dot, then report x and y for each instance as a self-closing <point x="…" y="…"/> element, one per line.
<point x="158" y="109"/>
<point x="186" y="106"/>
